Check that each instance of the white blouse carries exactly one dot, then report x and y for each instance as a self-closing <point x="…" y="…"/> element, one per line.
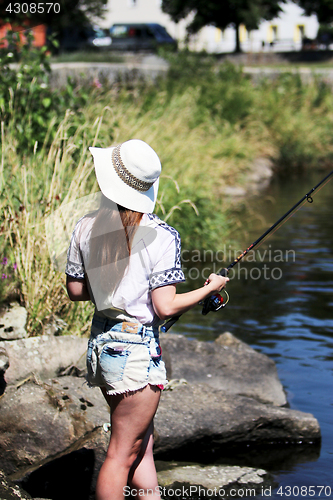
<point x="154" y="262"/>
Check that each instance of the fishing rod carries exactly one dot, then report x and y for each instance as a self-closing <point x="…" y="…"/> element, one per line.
<point x="215" y="302"/>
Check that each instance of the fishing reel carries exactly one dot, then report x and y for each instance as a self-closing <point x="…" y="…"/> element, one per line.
<point x="214" y="303"/>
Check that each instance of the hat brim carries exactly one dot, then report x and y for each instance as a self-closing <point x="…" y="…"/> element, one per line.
<point x="115" y="189"/>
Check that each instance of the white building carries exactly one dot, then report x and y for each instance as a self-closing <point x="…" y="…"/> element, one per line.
<point x="283" y="33"/>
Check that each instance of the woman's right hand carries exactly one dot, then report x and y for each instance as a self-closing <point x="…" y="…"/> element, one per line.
<point x="216" y="283"/>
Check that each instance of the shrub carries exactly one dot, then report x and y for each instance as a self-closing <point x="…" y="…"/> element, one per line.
<point x="28" y="104"/>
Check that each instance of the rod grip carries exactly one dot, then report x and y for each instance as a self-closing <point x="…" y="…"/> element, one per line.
<point x="169" y="323"/>
<point x="224" y="272"/>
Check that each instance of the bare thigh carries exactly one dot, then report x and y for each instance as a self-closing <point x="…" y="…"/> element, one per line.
<point x="131" y="416"/>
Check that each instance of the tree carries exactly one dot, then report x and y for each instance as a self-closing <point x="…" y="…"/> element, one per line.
<point x="322" y="8"/>
<point x="57" y="15"/>
<point x="222" y="13"/>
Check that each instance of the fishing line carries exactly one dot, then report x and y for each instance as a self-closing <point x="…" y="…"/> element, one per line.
<point x="307" y="200"/>
<point x="282" y="223"/>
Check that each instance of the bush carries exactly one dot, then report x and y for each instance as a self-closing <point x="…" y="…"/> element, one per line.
<point x="28" y="104"/>
<point x="227" y="94"/>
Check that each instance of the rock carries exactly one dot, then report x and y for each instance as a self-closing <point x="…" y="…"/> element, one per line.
<point x="12" y="323"/>
<point x="4" y="364"/>
<point x="70" y="475"/>
<point x="47" y="424"/>
<point x="234" y="191"/>
<point x="45" y="355"/>
<point x="218" y="480"/>
<point x="51" y="437"/>
<point x="261" y="172"/>
<point x="194" y="419"/>
<point x="227" y="364"/>
<point x="11" y="491"/>
<point x="228" y="339"/>
<point x="55" y="326"/>
<point x="86" y="73"/>
<point x="173" y="383"/>
<point x="4" y="360"/>
<point x="37" y="421"/>
<point x="256" y="178"/>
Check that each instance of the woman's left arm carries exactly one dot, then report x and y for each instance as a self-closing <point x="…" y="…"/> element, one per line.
<point x="77" y="289"/>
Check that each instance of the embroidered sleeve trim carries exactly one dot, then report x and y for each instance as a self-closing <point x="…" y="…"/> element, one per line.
<point x="168" y="277"/>
<point x="175" y="234"/>
<point x="75" y="270"/>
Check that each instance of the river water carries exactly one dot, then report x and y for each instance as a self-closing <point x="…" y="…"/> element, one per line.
<point x="281" y="305"/>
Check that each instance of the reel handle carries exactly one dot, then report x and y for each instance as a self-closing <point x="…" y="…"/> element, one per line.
<point x="215" y="302"/>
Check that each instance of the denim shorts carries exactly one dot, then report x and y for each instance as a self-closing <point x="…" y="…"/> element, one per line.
<point x="124" y="356"/>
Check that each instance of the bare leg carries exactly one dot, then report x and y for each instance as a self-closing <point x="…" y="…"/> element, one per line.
<point x="142" y="477"/>
<point x="131" y="416"/>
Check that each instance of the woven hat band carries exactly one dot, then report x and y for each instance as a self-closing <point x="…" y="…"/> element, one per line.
<point x="125" y="175"/>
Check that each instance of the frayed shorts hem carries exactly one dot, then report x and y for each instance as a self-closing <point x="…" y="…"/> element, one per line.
<point x="114" y="392"/>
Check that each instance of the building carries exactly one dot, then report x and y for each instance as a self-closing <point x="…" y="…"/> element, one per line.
<point x="283" y="33"/>
<point x="39" y="33"/>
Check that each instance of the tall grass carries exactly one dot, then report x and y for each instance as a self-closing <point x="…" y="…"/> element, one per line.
<point x="35" y="187"/>
<point x="298" y="118"/>
<point x="207" y="123"/>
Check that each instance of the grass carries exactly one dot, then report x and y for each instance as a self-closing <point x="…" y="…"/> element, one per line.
<point x="207" y="126"/>
<point x="284" y="61"/>
<point x="102" y="56"/>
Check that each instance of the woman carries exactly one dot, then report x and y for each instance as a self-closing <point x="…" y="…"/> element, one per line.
<point x="127" y="261"/>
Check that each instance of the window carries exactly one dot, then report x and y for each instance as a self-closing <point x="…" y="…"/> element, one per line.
<point x="299" y="32"/>
<point x="218" y="35"/>
<point x="273" y="35"/>
<point x="243" y="33"/>
<point x="119" y="31"/>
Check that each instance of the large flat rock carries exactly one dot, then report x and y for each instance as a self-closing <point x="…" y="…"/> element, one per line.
<point x="41" y="421"/>
<point x="38" y="421"/>
<point x="193" y="417"/>
<point x="196" y="481"/>
<point x="50" y="425"/>
<point x="45" y="355"/>
<point x="226" y="364"/>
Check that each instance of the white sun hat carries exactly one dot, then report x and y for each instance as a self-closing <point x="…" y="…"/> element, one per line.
<point x="128" y="174"/>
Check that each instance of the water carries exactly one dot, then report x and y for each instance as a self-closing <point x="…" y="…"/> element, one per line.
<point x="285" y="311"/>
